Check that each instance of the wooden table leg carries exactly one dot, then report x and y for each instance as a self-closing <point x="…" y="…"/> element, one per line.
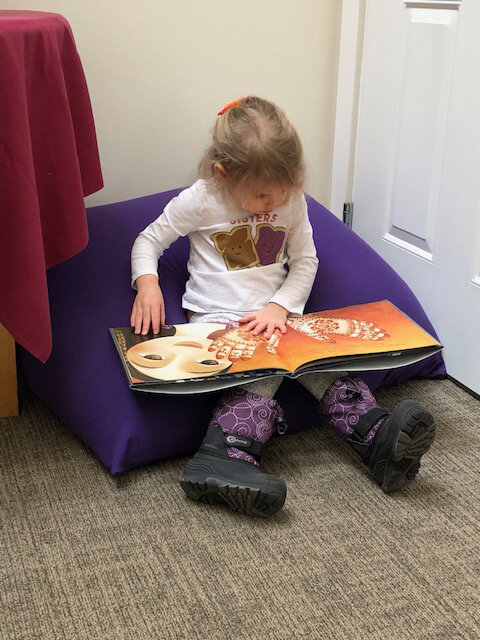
<point x="8" y="375"/>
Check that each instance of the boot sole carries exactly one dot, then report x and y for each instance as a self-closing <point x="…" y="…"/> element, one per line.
<point x="412" y="429"/>
<point x="215" y="482"/>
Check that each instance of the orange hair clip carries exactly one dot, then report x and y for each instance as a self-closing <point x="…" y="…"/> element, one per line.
<point x="229" y="106"/>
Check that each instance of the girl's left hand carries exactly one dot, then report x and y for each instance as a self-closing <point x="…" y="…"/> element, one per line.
<point x="267" y="320"/>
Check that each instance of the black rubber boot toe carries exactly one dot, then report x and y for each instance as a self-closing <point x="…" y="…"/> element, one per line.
<point x="213" y="477"/>
<point x="239" y="485"/>
<point x="405" y="435"/>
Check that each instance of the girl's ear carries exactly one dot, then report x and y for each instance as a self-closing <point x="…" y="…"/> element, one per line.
<point x="220" y="171"/>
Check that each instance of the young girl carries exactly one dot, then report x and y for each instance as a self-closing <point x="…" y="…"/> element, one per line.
<point x="246" y="218"/>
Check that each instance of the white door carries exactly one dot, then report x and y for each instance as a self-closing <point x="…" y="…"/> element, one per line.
<point x="417" y="167"/>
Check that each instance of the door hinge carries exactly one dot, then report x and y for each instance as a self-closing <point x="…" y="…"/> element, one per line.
<point x="348" y="213"/>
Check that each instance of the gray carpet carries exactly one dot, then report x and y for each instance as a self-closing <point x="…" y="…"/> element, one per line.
<point x="86" y="555"/>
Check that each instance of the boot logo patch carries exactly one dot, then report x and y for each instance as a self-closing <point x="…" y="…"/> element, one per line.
<point x="235" y="440"/>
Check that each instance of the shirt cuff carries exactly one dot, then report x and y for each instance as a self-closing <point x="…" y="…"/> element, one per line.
<point x="288" y="304"/>
<point x="142" y="273"/>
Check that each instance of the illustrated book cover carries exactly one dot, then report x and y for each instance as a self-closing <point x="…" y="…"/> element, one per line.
<point x="201" y="357"/>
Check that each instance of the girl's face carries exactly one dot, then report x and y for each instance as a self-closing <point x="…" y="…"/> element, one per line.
<point x="258" y="196"/>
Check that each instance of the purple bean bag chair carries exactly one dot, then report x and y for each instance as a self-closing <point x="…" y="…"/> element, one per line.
<point x="83" y="381"/>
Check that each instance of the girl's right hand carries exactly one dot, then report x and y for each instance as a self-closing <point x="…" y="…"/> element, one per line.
<point x="149" y="306"/>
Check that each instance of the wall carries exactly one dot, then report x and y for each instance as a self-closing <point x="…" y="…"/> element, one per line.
<point x="158" y="72"/>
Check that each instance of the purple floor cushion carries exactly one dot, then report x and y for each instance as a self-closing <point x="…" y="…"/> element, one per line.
<point x="83" y="381"/>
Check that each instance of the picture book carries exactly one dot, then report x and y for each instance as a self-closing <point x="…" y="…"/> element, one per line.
<point x="201" y="357"/>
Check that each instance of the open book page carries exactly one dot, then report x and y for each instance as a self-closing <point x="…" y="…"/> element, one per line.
<point x="191" y="351"/>
<point x="360" y="337"/>
<point x="351" y="332"/>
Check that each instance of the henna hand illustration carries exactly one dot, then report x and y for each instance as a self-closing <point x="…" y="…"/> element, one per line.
<point x="318" y="327"/>
<point x="238" y="344"/>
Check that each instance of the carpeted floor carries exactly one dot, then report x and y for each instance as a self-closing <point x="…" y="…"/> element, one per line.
<point x="85" y="555"/>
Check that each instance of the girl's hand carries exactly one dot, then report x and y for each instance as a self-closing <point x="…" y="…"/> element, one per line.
<point x="267" y="320"/>
<point x="149" y="306"/>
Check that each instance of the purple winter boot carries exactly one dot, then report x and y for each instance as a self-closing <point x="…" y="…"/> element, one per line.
<point x="390" y="444"/>
<point x="225" y="469"/>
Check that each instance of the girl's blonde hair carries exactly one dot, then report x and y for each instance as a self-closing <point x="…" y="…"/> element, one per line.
<point x="252" y="140"/>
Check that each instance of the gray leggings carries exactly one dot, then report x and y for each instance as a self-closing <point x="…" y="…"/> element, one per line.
<point x="316" y="383"/>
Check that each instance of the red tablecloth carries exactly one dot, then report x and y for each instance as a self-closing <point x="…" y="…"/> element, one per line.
<point x="48" y="163"/>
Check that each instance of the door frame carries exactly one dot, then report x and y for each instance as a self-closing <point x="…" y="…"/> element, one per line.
<point x="348" y="87"/>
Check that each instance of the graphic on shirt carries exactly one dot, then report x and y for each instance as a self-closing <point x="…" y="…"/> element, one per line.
<point x="237" y="247"/>
<point x="269" y="243"/>
<point x="240" y="251"/>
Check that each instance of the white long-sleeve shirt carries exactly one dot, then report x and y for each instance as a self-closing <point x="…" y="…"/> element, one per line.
<point x="237" y="259"/>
